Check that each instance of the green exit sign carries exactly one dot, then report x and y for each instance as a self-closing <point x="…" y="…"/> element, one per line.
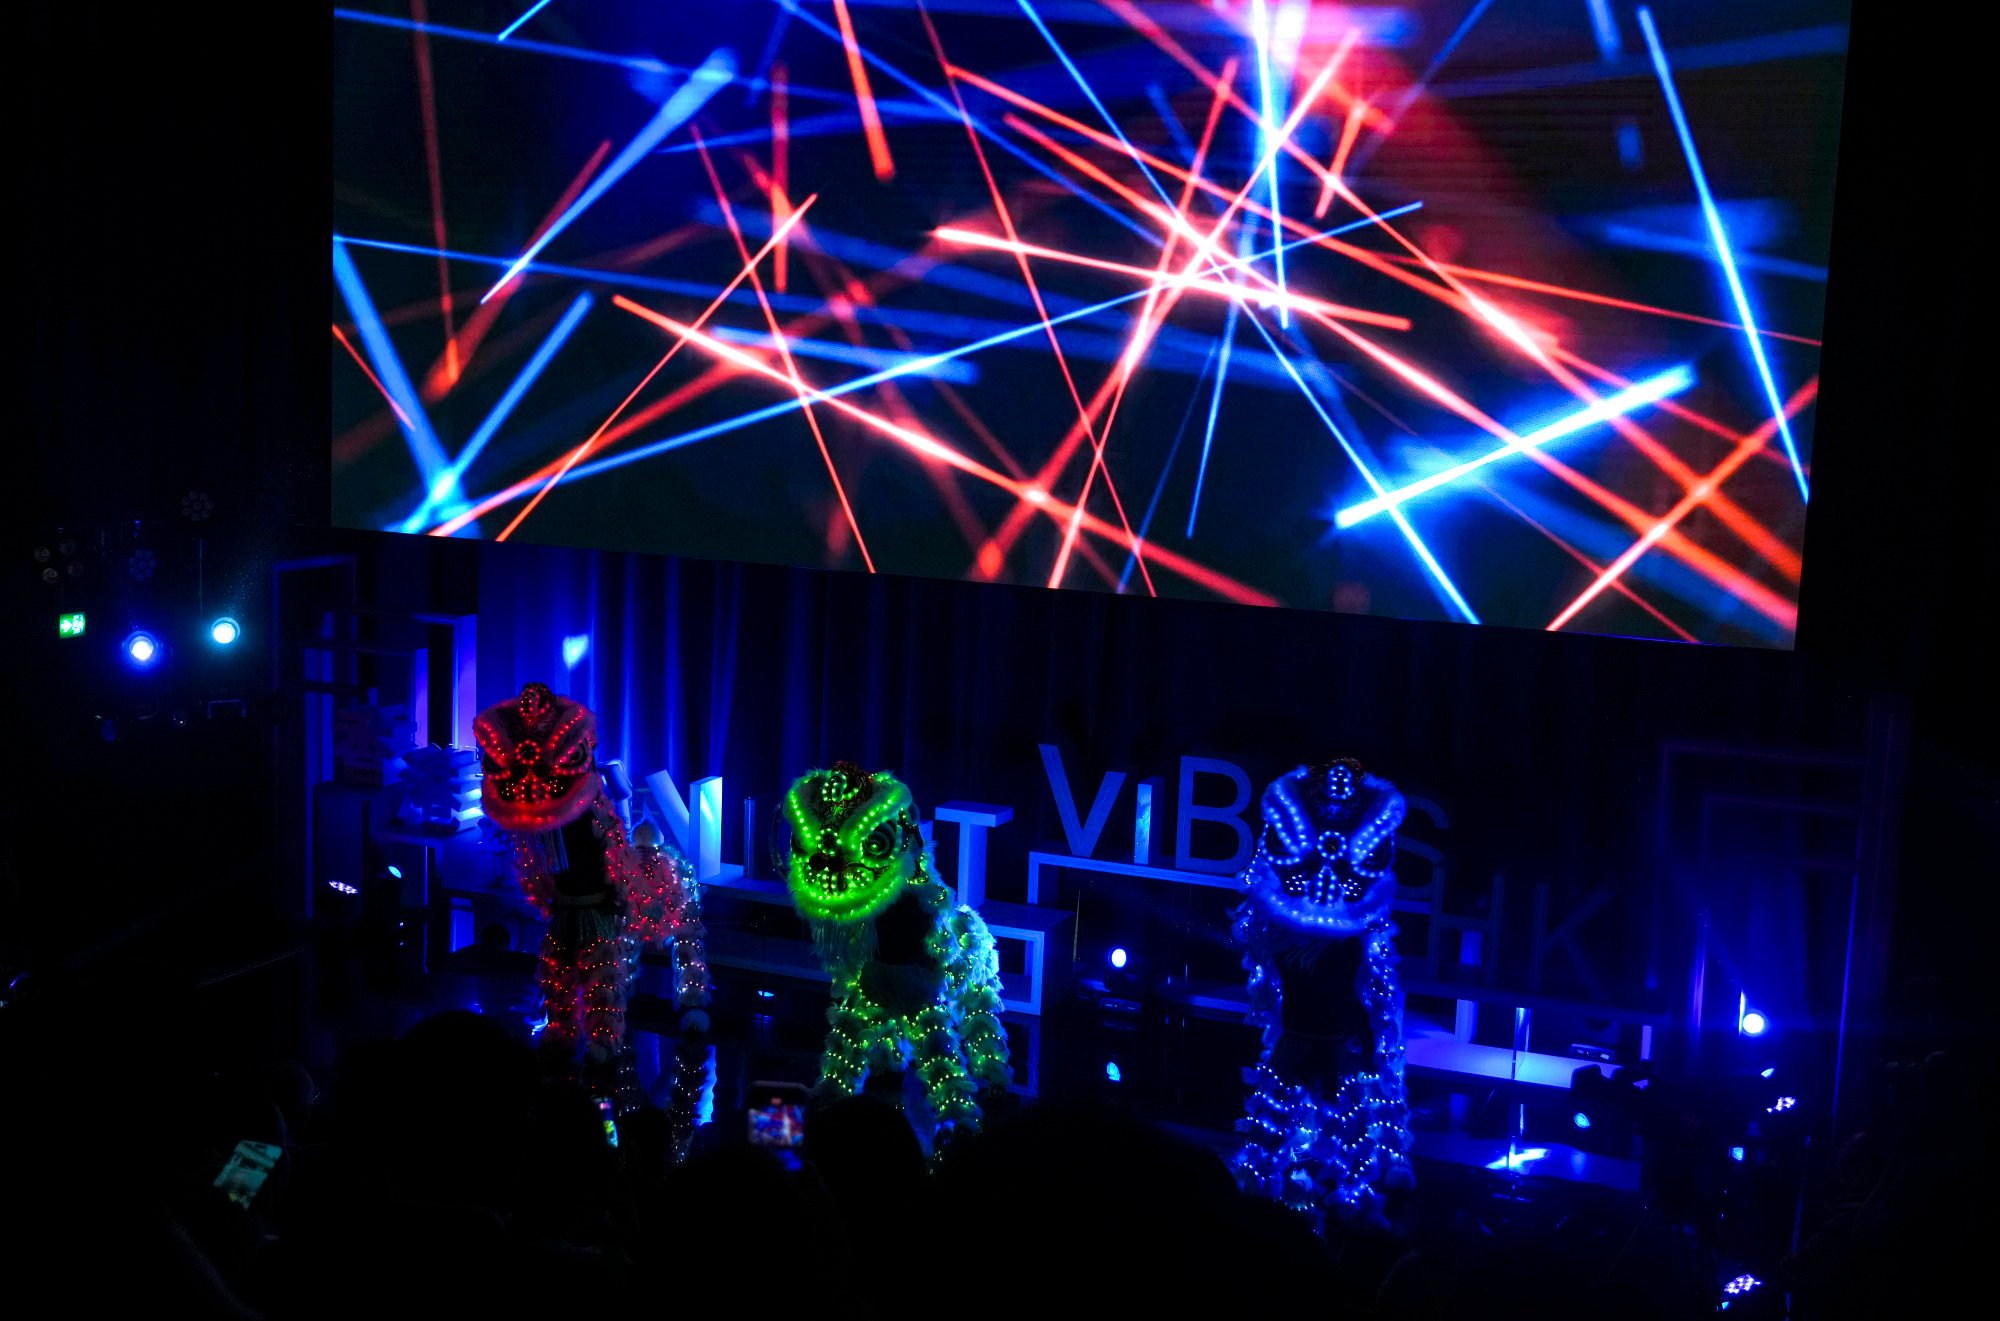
<point x="70" y="626"/>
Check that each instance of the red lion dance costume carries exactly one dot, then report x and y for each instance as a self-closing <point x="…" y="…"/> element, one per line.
<point x="605" y="897"/>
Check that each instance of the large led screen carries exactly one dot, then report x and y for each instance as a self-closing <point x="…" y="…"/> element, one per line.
<point x="1504" y="311"/>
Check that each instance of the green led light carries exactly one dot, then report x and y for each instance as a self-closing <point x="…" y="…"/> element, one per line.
<point x="70" y="625"/>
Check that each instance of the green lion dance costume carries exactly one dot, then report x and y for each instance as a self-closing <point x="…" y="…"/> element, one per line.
<point x="916" y="981"/>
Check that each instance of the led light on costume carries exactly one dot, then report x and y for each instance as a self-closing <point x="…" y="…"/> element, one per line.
<point x="1326" y="1125"/>
<point x="607" y="896"/>
<point x="916" y="978"/>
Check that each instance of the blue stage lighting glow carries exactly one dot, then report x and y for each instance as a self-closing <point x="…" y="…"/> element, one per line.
<point x="224" y="631"/>
<point x="1768" y="1072"/>
<point x="343" y="887"/>
<point x="1580" y="1119"/>
<point x="1119" y="957"/>
<point x="1741" y="1285"/>
<point x="396" y="872"/>
<point x="1755" y="1024"/>
<point x="1783" y="1104"/>
<point x="1112" y="1073"/>
<point x="575" y="649"/>
<point x="1736" y="1153"/>
<point x="763" y="994"/>
<point x="141" y="648"/>
<point x="1514" y="1160"/>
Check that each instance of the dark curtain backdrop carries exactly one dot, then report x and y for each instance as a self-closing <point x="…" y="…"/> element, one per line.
<point x="1544" y="752"/>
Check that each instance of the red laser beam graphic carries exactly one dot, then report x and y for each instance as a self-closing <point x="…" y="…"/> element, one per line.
<point x="777" y="236"/>
<point x="1660" y="530"/>
<point x="864" y="96"/>
<point x="374" y="380"/>
<point x="927" y="446"/>
<point x="427" y="95"/>
<point x="460" y="348"/>
<point x="784" y="349"/>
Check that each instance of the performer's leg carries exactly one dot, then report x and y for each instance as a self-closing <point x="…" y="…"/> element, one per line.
<point x="948" y="1092"/>
<point x="558" y="976"/>
<point x="854" y="1026"/>
<point x="603" y="971"/>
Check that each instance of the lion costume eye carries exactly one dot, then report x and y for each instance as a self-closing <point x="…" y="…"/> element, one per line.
<point x="881" y="842"/>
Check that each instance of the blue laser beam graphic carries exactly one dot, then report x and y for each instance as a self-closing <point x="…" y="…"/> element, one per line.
<point x="1167" y="468"/>
<point x="1424" y="556"/>
<point x="1214" y="410"/>
<point x="423" y="441"/>
<point x="779" y="24"/>
<point x="1723" y="254"/>
<point x="1110" y="121"/>
<point x="1408" y="96"/>
<point x="1796" y="44"/>
<point x="1651" y="391"/>
<point x="1185" y="347"/>
<point x="1645" y="240"/>
<point x="638" y="64"/>
<point x="1170" y="121"/>
<point x="958" y="373"/>
<point x="515" y="26"/>
<point x="714" y="73"/>
<point x="1260" y="33"/>
<point x="446" y="488"/>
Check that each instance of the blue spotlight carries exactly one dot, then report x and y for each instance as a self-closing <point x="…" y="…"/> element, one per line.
<point x="1736" y="1153"/>
<point x="1768" y="1072"/>
<point x="1580" y="1119"/>
<point x="1119" y="957"/>
<point x="575" y="649"/>
<point x="1754" y="1024"/>
<point x="396" y="872"/>
<point x="141" y="648"/>
<point x="1112" y="1073"/>
<point x="224" y="631"/>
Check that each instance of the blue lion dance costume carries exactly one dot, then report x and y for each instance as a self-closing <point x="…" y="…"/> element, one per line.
<point x="1326" y="1127"/>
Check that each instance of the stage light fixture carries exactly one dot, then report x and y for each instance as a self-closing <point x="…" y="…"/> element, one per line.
<point x="224" y="631"/>
<point x="1119" y="958"/>
<point x="1755" y="1024"/>
<point x="141" y="648"/>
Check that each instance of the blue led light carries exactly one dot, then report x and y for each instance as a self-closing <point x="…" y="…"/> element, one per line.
<point x="396" y="872"/>
<point x="1118" y="957"/>
<point x="141" y="648"/>
<point x="224" y="631"/>
<point x="1580" y="1119"/>
<point x="575" y="649"/>
<point x="1754" y="1024"/>
<point x="1736" y="1153"/>
<point x="1112" y="1073"/>
<point x="1768" y="1072"/>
